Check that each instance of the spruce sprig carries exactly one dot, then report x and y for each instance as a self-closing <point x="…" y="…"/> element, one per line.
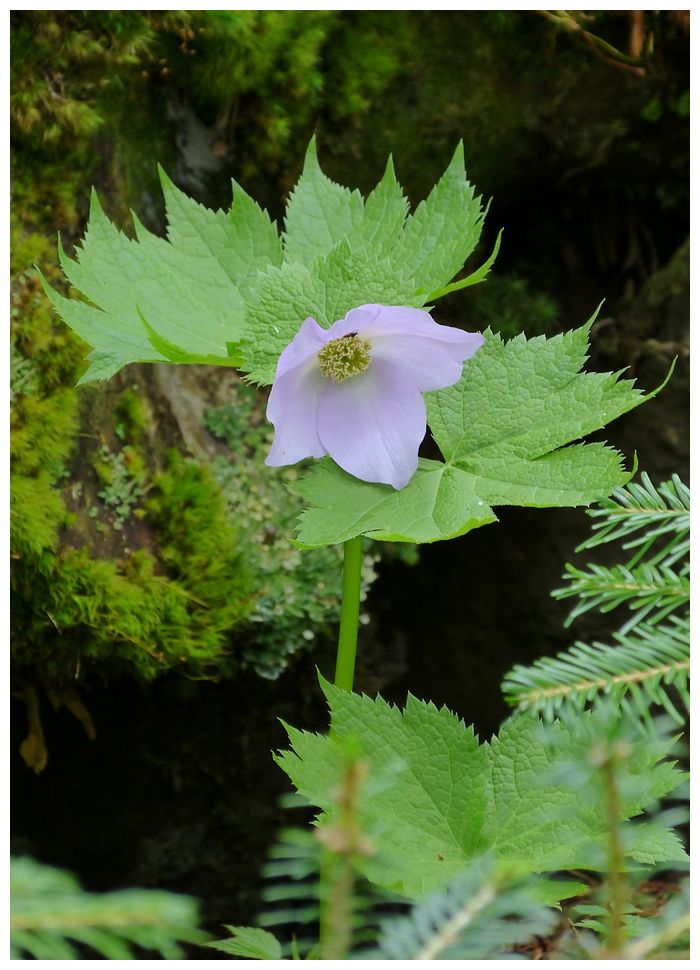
<point x="642" y="508"/>
<point x="648" y="662"/>
<point x="652" y="592"/>
<point x="638" y="670"/>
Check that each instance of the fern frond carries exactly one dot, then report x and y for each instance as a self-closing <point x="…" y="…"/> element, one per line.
<point x="641" y="508"/>
<point x="486" y="911"/>
<point x="652" y="592"/>
<point x="292" y="889"/>
<point x="641" y="668"/>
<point x="303" y="885"/>
<point x="656" y="524"/>
<point x="50" y="914"/>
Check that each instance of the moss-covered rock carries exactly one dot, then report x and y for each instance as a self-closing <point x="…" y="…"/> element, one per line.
<point x="129" y="557"/>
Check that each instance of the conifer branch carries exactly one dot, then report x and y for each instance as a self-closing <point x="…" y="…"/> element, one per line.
<point x="648" y="661"/>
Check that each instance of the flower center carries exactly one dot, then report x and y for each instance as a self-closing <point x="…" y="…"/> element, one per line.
<point x="345" y="357"/>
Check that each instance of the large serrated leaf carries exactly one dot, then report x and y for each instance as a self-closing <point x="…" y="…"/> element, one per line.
<point x="443" y="231"/>
<point x="383" y="218"/>
<point x="243" y="241"/>
<point x="505" y="430"/>
<point x="439" y="503"/>
<point x="439" y="799"/>
<point x="119" y="338"/>
<point x="319" y="213"/>
<point x="224" y="278"/>
<point x="188" y="301"/>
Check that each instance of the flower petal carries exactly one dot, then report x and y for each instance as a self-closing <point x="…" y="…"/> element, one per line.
<point x="432" y="364"/>
<point x="372" y="425"/>
<point x="355" y="320"/>
<point x="308" y="340"/>
<point x="408" y="338"/>
<point x="377" y="320"/>
<point x="292" y="408"/>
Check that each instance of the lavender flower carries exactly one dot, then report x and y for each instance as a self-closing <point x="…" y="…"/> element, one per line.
<point x="354" y="391"/>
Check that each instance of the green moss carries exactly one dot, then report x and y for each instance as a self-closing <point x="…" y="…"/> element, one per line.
<point x="43" y="414"/>
<point x="78" y="609"/>
<point x="81" y="604"/>
<point x="63" y="100"/>
<point x="198" y="544"/>
<point x="145" y="613"/>
<point x="43" y="429"/>
<point x="37" y="513"/>
<point x="132" y="416"/>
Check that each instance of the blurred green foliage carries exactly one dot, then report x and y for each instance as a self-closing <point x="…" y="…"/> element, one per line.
<point x="52" y="918"/>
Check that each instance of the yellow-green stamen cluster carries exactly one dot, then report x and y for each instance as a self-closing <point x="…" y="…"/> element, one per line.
<point x="345" y="357"/>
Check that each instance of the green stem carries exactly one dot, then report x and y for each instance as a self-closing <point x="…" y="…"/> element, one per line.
<point x="618" y="889"/>
<point x="349" y="614"/>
